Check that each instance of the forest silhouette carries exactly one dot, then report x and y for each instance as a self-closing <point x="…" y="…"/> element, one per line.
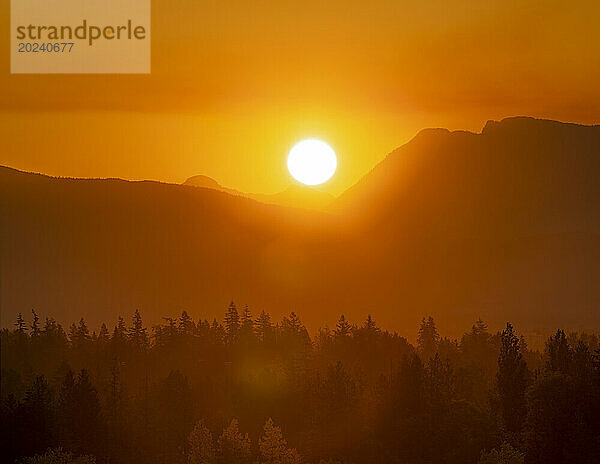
<point x="248" y="389"/>
<point x="497" y="226"/>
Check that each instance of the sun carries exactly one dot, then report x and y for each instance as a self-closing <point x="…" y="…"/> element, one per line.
<point x="311" y="162"/>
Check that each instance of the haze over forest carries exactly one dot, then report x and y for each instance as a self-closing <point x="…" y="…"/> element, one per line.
<point x="501" y="225"/>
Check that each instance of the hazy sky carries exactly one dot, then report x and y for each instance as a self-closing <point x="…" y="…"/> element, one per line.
<point x="236" y="83"/>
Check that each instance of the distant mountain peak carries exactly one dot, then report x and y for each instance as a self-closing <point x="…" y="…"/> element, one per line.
<point x="527" y="123"/>
<point x="296" y="196"/>
<point x="492" y="124"/>
<point x="432" y="131"/>
<point x="202" y="181"/>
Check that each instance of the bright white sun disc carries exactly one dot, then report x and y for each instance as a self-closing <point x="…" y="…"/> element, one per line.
<point x="311" y="162"/>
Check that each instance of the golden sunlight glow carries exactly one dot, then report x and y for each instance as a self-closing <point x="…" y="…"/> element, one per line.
<point x="312" y="162"/>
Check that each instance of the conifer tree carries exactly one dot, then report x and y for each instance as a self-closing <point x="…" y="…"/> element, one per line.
<point x="219" y="333"/>
<point x="58" y="456"/>
<point x="72" y="332"/>
<point x="200" y="445"/>
<point x="234" y="447"/>
<point x="20" y="324"/>
<point x="292" y="326"/>
<point x="103" y="336"/>
<point x="342" y="328"/>
<point x="479" y="328"/>
<point x="505" y="455"/>
<point x="137" y="333"/>
<point x="120" y="328"/>
<point x="119" y="336"/>
<point x="582" y="364"/>
<point x="428" y="338"/>
<point x="49" y="325"/>
<point x="54" y="330"/>
<point x="82" y="330"/>
<point x="512" y="380"/>
<point x="324" y="338"/>
<point x="79" y="334"/>
<point x="370" y="325"/>
<point x="273" y="447"/>
<point x="169" y="333"/>
<point x="246" y="319"/>
<point x="35" y="325"/>
<point x="232" y="322"/>
<point x="264" y="327"/>
<point x="186" y="324"/>
<point x="559" y="353"/>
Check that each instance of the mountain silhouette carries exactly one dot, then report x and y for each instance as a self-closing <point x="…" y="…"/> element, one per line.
<point x="206" y="182"/>
<point x="505" y="222"/>
<point x="294" y="196"/>
<point x="519" y="176"/>
<point x="501" y="225"/>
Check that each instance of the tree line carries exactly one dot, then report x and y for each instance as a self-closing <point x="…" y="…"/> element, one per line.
<point x="248" y="389"/>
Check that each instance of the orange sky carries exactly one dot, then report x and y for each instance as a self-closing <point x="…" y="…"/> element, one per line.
<point x="235" y="84"/>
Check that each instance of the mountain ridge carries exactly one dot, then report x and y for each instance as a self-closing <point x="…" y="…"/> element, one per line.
<point x="454" y="224"/>
<point x="294" y="196"/>
<point x="432" y="145"/>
